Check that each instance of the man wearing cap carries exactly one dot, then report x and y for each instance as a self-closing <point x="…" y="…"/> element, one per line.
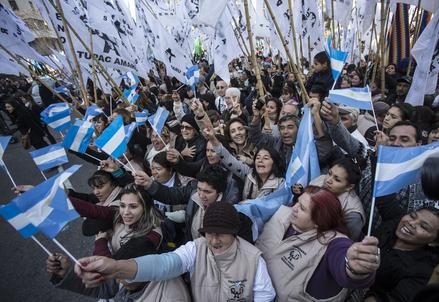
<point x="222" y="266"/>
<point x="402" y="89"/>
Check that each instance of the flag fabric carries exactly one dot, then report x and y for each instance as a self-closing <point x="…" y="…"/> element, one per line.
<point x="57" y="116"/>
<point x="4" y="141"/>
<point x="91" y="112"/>
<point x="192" y="76"/>
<point x="429" y="5"/>
<point x="399" y="46"/>
<point x="129" y="130"/>
<point x="78" y="136"/>
<point x="303" y="166"/>
<point x="158" y="119"/>
<point x="49" y="157"/>
<point x="398" y="167"/>
<point x="338" y="58"/>
<point x="133" y="79"/>
<point x="260" y="209"/>
<point x="426" y="53"/>
<point x="112" y="140"/>
<point x="62" y="89"/>
<point x="353" y="97"/>
<point x="44" y="208"/>
<point x="141" y="117"/>
<point x="131" y="95"/>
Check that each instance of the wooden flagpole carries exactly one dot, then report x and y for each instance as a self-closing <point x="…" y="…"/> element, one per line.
<point x="252" y="51"/>
<point x="93" y="70"/>
<point x="284" y="43"/>
<point x="293" y="33"/>
<point x="72" y="50"/>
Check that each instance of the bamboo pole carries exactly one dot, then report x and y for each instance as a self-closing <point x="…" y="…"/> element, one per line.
<point x="259" y="87"/>
<point x="72" y="50"/>
<point x="333" y="21"/>
<point x="93" y="70"/>
<point x="382" y="47"/>
<point x="415" y="35"/>
<point x="293" y="33"/>
<point x="36" y="77"/>
<point x="284" y="43"/>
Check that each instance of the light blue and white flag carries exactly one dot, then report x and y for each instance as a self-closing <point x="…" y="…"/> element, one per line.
<point x="129" y="130"/>
<point x="260" y="209"/>
<point x="78" y="136"/>
<point x="91" y="112"/>
<point x="62" y="89"/>
<point x="57" y="116"/>
<point x="44" y="208"/>
<point x="338" y="59"/>
<point x="192" y="76"/>
<point x="141" y="117"/>
<point x="131" y="95"/>
<point x="4" y="141"/>
<point x="158" y="119"/>
<point x="304" y="162"/>
<point x="398" y="167"/>
<point x="112" y="140"/>
<point x="360" y="98"/>
<point x="49" y="157"/>
<point x="133" y="79"/>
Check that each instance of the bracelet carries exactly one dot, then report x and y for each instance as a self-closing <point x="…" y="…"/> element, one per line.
<point x="349" y="268"/>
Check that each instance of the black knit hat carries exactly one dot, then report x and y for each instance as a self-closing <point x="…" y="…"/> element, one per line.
<point x="220" y="218"/>
<point x="189" y="118"/>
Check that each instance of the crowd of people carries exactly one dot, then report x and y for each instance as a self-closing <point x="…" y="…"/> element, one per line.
<point x="172" y="229"/>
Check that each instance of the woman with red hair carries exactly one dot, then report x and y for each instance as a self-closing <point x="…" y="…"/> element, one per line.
<point x="308" y="253"/>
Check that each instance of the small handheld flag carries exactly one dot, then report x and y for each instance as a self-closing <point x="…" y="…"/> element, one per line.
<point x="131" y="95"/>
<point x="360" y="98"/>
<point x="49" y="157"/>
<point x="57" y="116"/>
<point x="158" y="119"/>
<point x="338" y="58"/>
<point x="91" y="112"/>
<point x="112" y="140"/>
<point x="192" y="76"/>
<point x="141" y="117"/>
<point x="78" y="136"/>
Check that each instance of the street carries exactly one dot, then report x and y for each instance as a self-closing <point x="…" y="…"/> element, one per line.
<point x="24" y="276"/>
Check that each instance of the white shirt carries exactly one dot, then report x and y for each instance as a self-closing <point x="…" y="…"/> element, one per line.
<point x="263" y="289"/>
<point x="220" y="104"/>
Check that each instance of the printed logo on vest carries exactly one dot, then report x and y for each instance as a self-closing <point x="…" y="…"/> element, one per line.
<point x="237" y="289"/>
<point x="294" y="255"/>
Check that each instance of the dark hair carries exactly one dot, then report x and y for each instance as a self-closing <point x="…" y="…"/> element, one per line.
<point x="430" y="177"/>
<point x="326" y="211"/>
<point x="352" y="169"/>
<point x="102" y="117"/>
<point x="408" y="123"/>
<point x="289" y="117"/>
<point x="320" y="89"/>
<point x="126" y="115"/>
<point x="405" y="109"/>
<point x="214" y="176"/>
<point x="322" y="58"/>
<point x="278" y="168"/>
<point x="160" y="158"/>
<point x="229" y="123"/>
<point x="100" y="178"/>
<point x="278" y="106"/>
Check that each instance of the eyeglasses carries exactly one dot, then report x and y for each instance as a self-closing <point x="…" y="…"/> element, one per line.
<point x="220" y="87"/>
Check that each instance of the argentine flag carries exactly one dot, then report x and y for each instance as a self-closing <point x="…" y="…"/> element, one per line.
<point x="129" y="130"/>
<point x="360" y="98"/>
<point x="49" y="157"/>
<point x="133" y="79"/>
<point x="57" y="116"/>
<point x="192" y="76"/>
<point x="44" y="208"/>
<point x="338" y="58"/>
<point x="91" y="112"/>
<point x="398" y="167"/>
<point x="141" y="117"/>
<point x="112" y="140"/>
<point x="131" y="95"/>
<point x="304" y="163"/>
<point x="78" y="136"/>
<point x="158" y="119"/>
